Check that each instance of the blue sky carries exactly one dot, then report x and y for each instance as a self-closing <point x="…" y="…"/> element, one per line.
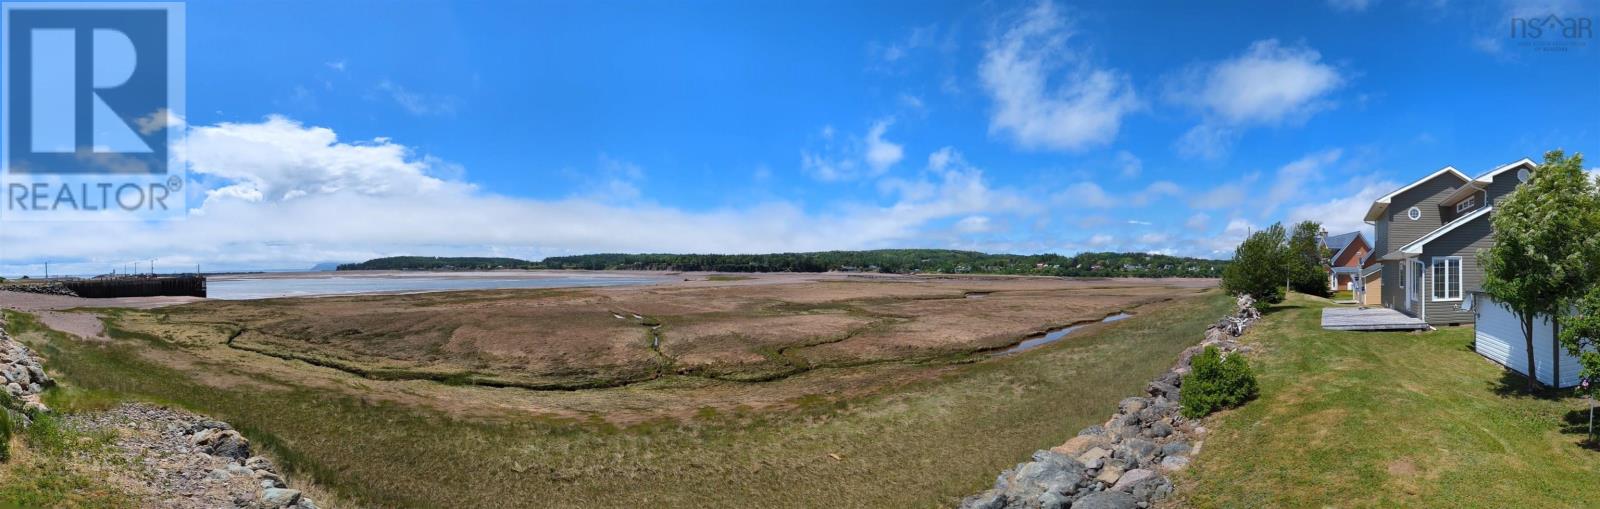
<point x="336" y="131"/>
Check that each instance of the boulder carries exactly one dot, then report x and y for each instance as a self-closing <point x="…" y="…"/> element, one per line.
<point x="259" y="463"/>
<point x="1054" y="501"/>
<point x="1106" y="500"/>
<point x="1095" y="453"/>
<point x="1132" y="477"/>
<point x="1095" y="430"/>
<point x="1109" y="475"/>
<point x="1135" y="448"/>
<point x="1175" y="449"/>
<point x="1132" y="405"/>
<point x="1077" y="445"/>
<point x="1158" y="429"/>
<point x="1163" y="389"/>
<point x="1174" y="463"/>
<point x="991" y="499"/>
<point x="279" y="497"/>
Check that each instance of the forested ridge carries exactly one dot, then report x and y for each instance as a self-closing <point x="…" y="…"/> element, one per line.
<point x="896" y="261"/>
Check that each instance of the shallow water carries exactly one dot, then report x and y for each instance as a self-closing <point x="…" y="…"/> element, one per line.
<point x="1057" y="335"/>
<point x="271" y="287"/>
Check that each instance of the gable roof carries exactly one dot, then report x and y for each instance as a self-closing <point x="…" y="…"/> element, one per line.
<point x="1483" y="181"/>
<point x="1382" y="204"/>
<point x="1415" y="247"/>
<point x="1341" y="242"/>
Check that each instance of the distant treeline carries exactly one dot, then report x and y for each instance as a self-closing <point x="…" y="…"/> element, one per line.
<point x="437" y="263"/>
<point x="897" y="261"/>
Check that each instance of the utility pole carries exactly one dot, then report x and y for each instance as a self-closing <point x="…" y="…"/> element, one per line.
<point x="47" y="271"/>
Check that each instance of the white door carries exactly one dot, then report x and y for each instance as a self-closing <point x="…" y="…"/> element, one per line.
<point x="1414" y="287"/>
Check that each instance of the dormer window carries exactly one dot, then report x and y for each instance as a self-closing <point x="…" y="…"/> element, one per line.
<point x="1466" y="204"/>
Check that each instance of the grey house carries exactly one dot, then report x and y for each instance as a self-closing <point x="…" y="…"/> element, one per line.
<point x="1428" y="235"/>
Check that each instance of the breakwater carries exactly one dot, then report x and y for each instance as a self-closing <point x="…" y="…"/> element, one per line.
<point x="161" y="286"/>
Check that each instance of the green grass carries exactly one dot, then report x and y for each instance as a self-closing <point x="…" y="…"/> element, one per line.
<point x="1353" y="419"/>
<point x="926" y="444"/>
<point x="725" y="277"/>
<point x="1344" y="295"/>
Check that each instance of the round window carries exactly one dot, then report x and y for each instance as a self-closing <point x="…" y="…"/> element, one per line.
<point x="1414" y="213"/>
<point x="1523" y="175"/>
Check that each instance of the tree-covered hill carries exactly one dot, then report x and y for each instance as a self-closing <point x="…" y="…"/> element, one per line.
<point x="437" y="263"/>
<point x="898" y="261"/>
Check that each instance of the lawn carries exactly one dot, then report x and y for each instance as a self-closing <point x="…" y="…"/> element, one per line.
<point x="920" y="445"/>
<point x="1353" y="419"/>
<point x="1342" y="295"/>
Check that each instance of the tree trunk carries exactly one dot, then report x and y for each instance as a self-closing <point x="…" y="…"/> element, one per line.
<point x="1555" y="352"/>
<point x="1527" y="334"/>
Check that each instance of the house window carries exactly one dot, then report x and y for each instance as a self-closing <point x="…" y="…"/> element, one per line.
<point x="1414" y="213"/>
<point x="1467" y="204"/>
<point x="1447" y="278"/>
<point x="1523" y="175"/>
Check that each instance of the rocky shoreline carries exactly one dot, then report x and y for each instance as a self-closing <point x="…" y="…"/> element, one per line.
<point x="42" y="289"/>
<point x="1121" y="464"/>
<point x="178" y="459"/>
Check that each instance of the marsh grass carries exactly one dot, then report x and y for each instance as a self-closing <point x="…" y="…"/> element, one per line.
<point x="1389" y="419"/>
<point x="922" y="444"/>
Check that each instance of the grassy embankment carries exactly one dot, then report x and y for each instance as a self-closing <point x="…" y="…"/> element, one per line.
<point x="1363" y="419"/>
<point x="44" y="464"/>
<point x="921" y="445"/>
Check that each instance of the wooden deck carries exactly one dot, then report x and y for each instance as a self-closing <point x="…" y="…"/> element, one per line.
<point x="1370" y="319"/>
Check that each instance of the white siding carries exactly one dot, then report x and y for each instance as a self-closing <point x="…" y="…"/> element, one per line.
<point x="1499" y="337"/>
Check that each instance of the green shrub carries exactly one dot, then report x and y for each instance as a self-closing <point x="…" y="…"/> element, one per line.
<point x="1216" y="383"/>
<point x="5" y="435"/>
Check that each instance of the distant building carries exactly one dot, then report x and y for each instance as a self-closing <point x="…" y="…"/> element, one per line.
<point x="1349" y="251"/>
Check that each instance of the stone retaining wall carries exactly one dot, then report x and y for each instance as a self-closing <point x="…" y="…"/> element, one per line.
<point x="1123" y="463"/>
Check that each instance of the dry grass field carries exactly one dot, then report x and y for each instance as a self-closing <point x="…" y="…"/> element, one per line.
<point x="784" y="391"/>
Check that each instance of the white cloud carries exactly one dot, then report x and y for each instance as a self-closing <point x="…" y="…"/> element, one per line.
<point x="158" y="120"/>
<point x="1140" y="223"/>
<point x="337" y="65"/>
<point x="881" y="153"/>
<point x="1292" y="179"/>
<point x="1198" y="221"/>
<point x="1047" y="94"/>
<point x="973" y="224"/>
<point x="1344" y="214"/>
<point x="1351" y="5"/>
<point x="1130" y="164"/>
<point x="852" y="158"/>
<point x="1085" y="194"/>
<point x="1206" y="141"/>
<point x="1226" y="195"/>
<point x="1269" y="84"/>
<point x="286" y="195"/>
<point x="419" y="104"/>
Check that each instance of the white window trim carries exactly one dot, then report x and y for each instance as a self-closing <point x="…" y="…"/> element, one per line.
<point x="1418" y="214"/>
<point x="1467" y="204"/>
<point x="1433" y="288"/>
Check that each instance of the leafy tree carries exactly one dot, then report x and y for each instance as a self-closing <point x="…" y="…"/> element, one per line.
<point x="1545" y="240"/>
<point x="1259" y="265"/>
<point x="1308" y="260"/>
<point x="1216" y="383"/>
<point x="1580" y="333"/>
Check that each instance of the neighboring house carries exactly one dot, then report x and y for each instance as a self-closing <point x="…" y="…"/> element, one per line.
<point x="1349" y="250"/>
<point x="1370" y="292"/>
<point x="1428" y="234"/>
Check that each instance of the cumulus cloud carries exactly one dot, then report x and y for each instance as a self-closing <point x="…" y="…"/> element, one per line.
<point x="1129" y="164"/>
<point x="1292" y="179"/>
<point x="1346" y="213"/>
<point x="284" y="194"/>
<point x="1047" y="94"/>
<point x="835" y="159"/>
<point x="1269" y="84"/>
<point x="881" y="153"/>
